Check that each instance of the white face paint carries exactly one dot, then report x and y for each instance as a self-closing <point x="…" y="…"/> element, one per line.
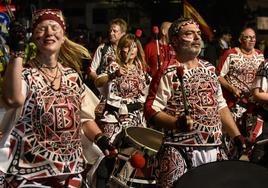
<point x="190" y="39"/>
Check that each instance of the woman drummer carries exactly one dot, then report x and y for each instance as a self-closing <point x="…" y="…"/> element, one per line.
<point x="43" y="147"/>
<point x="128" y="85"/>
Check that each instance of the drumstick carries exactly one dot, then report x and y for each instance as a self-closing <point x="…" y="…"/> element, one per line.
<point x="262" y="142"/>
<point x="180" y="74"/>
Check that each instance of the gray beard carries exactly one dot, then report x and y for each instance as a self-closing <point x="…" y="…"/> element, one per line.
<point x="192" y="52"/>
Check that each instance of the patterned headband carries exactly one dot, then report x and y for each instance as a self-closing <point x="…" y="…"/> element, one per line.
<point x="182" y="24"/>
<point x="48" y="14"/>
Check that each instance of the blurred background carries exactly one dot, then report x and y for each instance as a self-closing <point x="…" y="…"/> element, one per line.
<point x="90" y="17"/>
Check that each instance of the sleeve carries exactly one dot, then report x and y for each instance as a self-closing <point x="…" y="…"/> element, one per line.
<point x="261" y="78"/>
<point x="225" y="67"/>
<point x="25" y="82"/>
<point x="224" y="63"/>
<point x="159" y="93"/>
<point x="88" y="105"/>
<point x="221" y="101"/>
<point x="113" y="97"/>
<point x="151" y="57"/>
<point x="96" y="59"/>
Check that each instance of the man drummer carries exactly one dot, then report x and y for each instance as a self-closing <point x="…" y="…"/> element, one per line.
<point x="105" y="53"/>
<point x="186" y="101"/>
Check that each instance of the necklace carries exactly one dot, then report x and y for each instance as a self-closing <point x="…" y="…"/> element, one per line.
<point x="42" y="65"/>
<point x="47" y="67"/>
<point x="51" y="79"/>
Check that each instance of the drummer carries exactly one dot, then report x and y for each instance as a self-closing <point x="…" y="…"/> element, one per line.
<point x="186" y="101"/>
<point x="105" y="53"/>
<point x="260" y="94"/>
<point x="128" y="84"/>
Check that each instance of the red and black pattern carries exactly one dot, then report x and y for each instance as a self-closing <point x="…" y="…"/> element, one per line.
<point x="46" y="139"/>
<point x="201" y="88"/>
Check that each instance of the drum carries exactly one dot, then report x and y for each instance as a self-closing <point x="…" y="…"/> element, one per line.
<point x="101" y="80"/>
<point x="143" y="142"/>
<point x="146" y="140"/>
<point x="231" y="174"/>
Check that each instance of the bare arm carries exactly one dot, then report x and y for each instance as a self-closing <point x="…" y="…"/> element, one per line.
<point x="228" y="122"/>
<point x="260" y="96"/>
<point x="181" y="123"/>
<point x="12" y="85"/>
<point x="164" y="120"/>
<point x="91" y="129"/>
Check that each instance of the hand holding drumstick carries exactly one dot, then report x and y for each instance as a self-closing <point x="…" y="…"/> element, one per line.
<point x="184" y="123"/>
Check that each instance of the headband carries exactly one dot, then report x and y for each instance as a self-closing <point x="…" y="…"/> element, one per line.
<point x="184" y="23"/>
<point x="48" y="14"/>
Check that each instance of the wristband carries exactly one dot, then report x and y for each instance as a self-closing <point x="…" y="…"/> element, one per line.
<point x="15" y="54"/>
<point x="181" y="124"/>
<point x="97" y="137"/>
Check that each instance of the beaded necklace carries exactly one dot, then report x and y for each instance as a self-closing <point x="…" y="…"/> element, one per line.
<point x="50" y="78"/>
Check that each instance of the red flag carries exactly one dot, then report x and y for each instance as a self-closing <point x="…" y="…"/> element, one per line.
<point x="190" y="12"/>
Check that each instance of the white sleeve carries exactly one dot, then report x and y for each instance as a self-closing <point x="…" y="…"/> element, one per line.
<point x="221" y="101"/>
<point x="96" y="59"/>
<point x="88" y="105"/>
<point x="261" y="82"/>
<point x="225" y="67"/>
<point x="163" y="92"/>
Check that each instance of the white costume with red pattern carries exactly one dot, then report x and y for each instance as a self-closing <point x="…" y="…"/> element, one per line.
<point x="204" y="97"/>
<point x="46" y="138"/>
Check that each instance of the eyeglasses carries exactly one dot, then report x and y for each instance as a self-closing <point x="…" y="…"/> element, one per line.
<point x="249" y="38"/>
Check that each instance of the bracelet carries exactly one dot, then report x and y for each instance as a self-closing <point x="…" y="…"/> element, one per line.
<point x="177" y="124"/>
<point x="181" y="123"/>
<point x="17" y="54"/>
<point x="98" y="136"/>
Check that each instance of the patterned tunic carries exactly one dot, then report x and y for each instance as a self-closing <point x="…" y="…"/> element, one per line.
<point x="45" y="141"/>
<point x="204" y="98"/>
<point x="125" y="98"/>
<point x="102" y="59"/>
<point x="239" y="70"/>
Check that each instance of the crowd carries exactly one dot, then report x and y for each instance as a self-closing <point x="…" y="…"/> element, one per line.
<point x="191" y="110"/>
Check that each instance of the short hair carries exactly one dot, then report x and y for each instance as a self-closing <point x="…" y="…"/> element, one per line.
<point x="122" y="24"/>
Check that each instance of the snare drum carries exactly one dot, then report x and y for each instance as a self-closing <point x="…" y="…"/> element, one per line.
<point x="144" y="141"/>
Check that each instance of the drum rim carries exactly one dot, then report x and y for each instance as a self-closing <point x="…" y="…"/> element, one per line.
<point x="141" y="144"/>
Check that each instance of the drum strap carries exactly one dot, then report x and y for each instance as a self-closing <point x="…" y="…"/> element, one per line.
<point x="131" y="107"/>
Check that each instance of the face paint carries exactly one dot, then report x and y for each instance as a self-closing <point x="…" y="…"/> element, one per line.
<point x="188" y="39"/>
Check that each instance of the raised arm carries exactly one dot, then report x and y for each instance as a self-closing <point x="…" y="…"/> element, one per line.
<point x="12" y="85"/>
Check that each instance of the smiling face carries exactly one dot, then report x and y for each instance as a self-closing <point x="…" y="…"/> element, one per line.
<point x="248" y="39"/>
<point x="48" y="36"/>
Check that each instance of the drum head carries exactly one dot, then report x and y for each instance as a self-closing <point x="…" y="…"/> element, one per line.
<point x="101" y="79"/>
<point x="145" y="138"/>
<point x="231" y="174"/>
